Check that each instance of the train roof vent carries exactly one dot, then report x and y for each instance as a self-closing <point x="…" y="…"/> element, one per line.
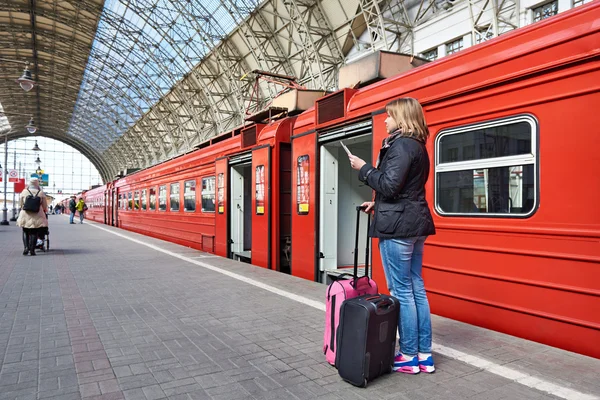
<point x="249" y="136"/>
<point x="332" y="107"/>
<point x="375" y="67"/>
<point x="296" y="101"/>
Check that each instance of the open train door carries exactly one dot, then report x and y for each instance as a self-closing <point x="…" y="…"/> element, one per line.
<point x="261" y="206"/>
<point x="115" y="206"/>
<point x="304" y="212"/>
<point x="105" y="196"/>
<point x="222" y="209"/>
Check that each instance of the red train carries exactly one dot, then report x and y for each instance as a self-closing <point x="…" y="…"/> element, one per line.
<point x="515" y="162"/>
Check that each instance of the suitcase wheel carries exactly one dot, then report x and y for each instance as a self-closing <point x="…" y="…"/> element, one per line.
<point x="364" y="383"/>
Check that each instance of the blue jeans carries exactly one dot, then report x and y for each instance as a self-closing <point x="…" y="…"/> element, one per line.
<point x="402" y="264"/>
<point x="72" y="216"/>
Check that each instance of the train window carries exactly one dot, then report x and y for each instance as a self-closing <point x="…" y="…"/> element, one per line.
<point x="136" y="200"/>
<point x="121" y="201"/>
<point x="208" y="194"/>
<point x="129" y="201"/>
<point x="303" y="184"/>
<point x="144" y="200"/>
<point x="221" y="193"/>
<point x="152" y="192"/>
<point x="189" y="196"/>
<point x="174" y="196"/>
<point x="162" y="198"/>
<point x="260" y="189"/>
<point x="488" y="169"/>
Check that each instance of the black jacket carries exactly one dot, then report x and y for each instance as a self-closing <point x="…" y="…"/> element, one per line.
<point x="401" y="210"/>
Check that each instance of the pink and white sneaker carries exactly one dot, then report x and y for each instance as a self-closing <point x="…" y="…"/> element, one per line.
<point x="406" y="366"/>
<point x="426" y="365"/>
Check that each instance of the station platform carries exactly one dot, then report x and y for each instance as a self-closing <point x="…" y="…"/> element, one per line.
<point x="109" y="314"/>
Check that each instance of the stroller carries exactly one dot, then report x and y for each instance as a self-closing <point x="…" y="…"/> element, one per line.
<point x="43" y="239"/>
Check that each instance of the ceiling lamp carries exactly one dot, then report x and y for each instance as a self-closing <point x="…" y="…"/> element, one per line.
<point x="36" y="147"/>
<point x="26" y="80"/>
<point x="38" y="161"/>
<point x="31" y="128"/>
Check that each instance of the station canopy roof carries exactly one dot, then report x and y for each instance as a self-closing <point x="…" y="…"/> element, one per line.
<point x="130" y="83"/>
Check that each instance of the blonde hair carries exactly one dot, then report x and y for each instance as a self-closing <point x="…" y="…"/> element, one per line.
<point x="408" y="114"/>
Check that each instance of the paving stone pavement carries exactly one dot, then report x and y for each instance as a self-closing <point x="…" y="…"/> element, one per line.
<point x="101" y="317"/>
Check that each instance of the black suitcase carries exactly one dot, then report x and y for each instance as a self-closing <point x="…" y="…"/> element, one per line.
<point x="366" y="338"/>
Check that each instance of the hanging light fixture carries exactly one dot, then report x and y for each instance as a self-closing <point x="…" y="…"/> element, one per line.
<point x="38" y="161"/>
<point x="26" y="80"/>
<point x="36" y="147"/>
<point x="31" y="128"/>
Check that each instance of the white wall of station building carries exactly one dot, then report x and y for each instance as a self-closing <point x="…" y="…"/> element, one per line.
<point x="451" y="28"/>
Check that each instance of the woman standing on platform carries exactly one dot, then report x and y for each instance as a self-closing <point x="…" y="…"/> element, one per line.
<point x="402" y="221"/>
<point x="32" y="217"/>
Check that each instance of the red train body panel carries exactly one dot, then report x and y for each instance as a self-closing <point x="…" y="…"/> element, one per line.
<point x="522" y="258"/>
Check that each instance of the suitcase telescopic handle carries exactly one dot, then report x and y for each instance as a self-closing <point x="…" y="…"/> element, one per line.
<point x="358" y="211"/>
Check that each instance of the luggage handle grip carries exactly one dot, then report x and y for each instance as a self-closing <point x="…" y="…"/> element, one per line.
<point x="380" y="302"/>
<point x="356" y="279"/>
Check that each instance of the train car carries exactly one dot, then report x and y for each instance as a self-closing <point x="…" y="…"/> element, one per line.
<point x="95" y="201"/>
<point x="514" y="160"/>
<point x="230" y="197"/>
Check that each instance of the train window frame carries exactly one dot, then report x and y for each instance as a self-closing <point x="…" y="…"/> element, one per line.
<point x="164" y="190"/>
<point x="521" y="160"/>
<point x="144" y="200"/>
<point x="188" y="194"/>
<point x="136" y="200"/>
<point x="177" y="196"/>
<point x="303" y="184"/>
<point x="129" y="201"/>
<point x="150" y="208"/>
<point x="207" y="192"/>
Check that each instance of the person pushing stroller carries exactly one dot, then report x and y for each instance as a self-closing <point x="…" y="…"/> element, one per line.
<point x="32" y="218"/>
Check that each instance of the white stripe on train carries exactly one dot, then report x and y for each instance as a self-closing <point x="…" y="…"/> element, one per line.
<point x="511" y="374"/>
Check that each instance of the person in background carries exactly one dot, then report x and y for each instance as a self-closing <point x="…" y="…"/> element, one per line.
<point x="81" y="209"/>
<point x="72" y="209"/>
<point x="34" y="223"/>
<point x="402" y="221"/>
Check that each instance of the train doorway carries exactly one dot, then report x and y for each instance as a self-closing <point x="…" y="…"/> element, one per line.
<point x="340" y="193"/>
<point x="241" y="211"/>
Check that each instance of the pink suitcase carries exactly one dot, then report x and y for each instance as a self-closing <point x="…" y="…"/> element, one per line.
<point x="345" y="287"/>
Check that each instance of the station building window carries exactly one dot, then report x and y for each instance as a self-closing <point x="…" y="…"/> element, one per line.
<point x="174" y="196"/>
<point x="545" y="11"/>
<point x="152" y="192"/>
<point x="144" y="199"/>
<point x="580" y="2"/>
<point x="454" y="46"/>
<point x="162" y="198"/>
<point x="430" y="54"/>
<point x="487" y="169"/>
<point x="208" y="194"/>
<point x="189" y="195"/>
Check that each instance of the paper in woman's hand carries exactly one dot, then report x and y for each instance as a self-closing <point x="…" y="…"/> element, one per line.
<point x="345" y="148"/>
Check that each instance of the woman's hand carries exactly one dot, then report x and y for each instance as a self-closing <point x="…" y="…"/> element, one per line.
<point x="356" y="162"/>
<point x="368" y="205"/>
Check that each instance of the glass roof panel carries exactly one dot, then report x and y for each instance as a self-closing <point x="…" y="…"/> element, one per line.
<point x="141" y="49"/>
